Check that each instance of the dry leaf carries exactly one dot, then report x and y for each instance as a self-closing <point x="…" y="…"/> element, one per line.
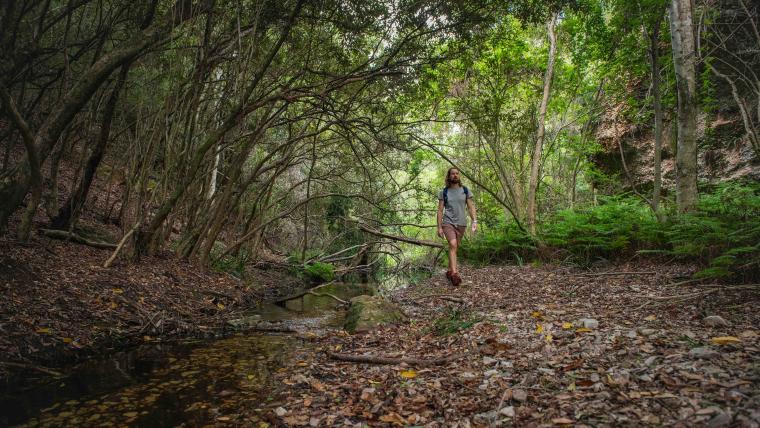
<point x="567" y="326"/>
<point x="44" y="330"/>
<point x="651" y="318"/>
<point x="562" y="421"/>
<point x="409" y="374"/>
<point x="539" y="328"/>
<point x="725" y="340"/>
<point x="582" y="330"/>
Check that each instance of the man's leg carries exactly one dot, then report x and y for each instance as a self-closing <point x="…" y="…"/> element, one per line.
<point x="453" y="244"/>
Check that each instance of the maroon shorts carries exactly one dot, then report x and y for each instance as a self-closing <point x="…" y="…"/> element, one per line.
<point x="452" y="231"/>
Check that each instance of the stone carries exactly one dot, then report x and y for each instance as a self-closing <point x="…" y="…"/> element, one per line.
<point x="519" y="395"/>
<point x="703" y="353"/>
<point x="508" y="411"/>
<point x="722" y="419"/>
<point x="488" y="360"/>
<point x="368" y="312"/>
<point x="715" y="321"/>
<point x="280" y="411"/>
<point x="245" y="322"/>
<point x="588" y="323"/>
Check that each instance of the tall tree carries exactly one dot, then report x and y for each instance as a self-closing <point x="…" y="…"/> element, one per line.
<point x="535" y="166"/>
<point x="684" y="62"/>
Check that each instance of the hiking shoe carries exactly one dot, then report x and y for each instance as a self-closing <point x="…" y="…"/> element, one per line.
<point x="456" y="280"/>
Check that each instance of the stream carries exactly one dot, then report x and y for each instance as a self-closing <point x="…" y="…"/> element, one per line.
<point x="187" y="383"/>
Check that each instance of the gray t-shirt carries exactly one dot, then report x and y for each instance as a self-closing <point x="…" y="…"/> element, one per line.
<point x="455" y="212"/>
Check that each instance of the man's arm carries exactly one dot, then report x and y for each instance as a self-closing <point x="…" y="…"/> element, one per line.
<point x="473" y="214"/>
<point x="439" y="218"/>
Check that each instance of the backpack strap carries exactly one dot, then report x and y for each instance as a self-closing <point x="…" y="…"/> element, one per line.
<point x="446" y="194"/>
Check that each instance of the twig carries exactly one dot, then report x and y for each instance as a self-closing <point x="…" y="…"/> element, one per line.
<point x="374" y="359"/>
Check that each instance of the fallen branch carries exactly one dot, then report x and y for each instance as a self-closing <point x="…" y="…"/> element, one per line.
<point x="448" y="297"/>
<point x="401" y="238"/>
<point x="121" y="245"/>
<point x="341" y="301"/>
<point x="616" y="273"/>
<point x="31" y="367"/>
<point x="683" y="297"/>
<point x="302" y="293"/>
<point x="374" y="359"/>
<point x="71" y="236"/>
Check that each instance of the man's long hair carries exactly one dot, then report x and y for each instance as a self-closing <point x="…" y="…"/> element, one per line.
<point x="448" y="177"/>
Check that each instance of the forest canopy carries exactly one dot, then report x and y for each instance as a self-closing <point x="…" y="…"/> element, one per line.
<point x="320" y="131"/>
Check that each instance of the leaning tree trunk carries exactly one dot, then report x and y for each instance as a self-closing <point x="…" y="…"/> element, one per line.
<point x="540" y="135"/>
<point x="684" y="63"/>
<point x="70" y="210"/>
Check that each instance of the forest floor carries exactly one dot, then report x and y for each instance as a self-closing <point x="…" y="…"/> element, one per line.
<point x="60" y="305"/>
<point x="508" y="347"/>
<point x="520" y="354"/>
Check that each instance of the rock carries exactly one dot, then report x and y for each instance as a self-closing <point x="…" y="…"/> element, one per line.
<point x="490" y="373"/>
<point x="715" y="321"/>
<point x="488" y="360"/>
<point x="631" y="334"/>
<point x="508" y="411"/>
<point x="647" y="331"/>
<point x="722" y="419"/>
<point x="368" y="312"/>
<point x="520" y="395"/>
<point x="245" y="322"/>
<point x="703" y="353"/>
<point x="588" y="323"/>
<point x="280" y="411"/>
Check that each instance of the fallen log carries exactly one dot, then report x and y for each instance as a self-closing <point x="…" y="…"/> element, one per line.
<point x="374" y="359"/>
<point x="71" y="236"/>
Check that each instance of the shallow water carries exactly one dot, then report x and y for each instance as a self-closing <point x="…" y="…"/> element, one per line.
<point x="192" y="383"/>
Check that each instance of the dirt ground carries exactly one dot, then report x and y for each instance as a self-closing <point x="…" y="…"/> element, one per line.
<point x="542" y="346"/>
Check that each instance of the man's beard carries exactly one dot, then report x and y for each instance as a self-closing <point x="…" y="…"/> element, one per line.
<point x="454" y="180"/>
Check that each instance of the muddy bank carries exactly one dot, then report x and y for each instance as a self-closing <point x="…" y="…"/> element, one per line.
<point x="60" y="305"/>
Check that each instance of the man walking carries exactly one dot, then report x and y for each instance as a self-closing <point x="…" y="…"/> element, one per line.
<point x="452" y="218"/>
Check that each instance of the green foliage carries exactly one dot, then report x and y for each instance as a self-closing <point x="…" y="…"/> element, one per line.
<point x="723" y="234"/>
<point x="320" y="272"/>
<point x="452" y="322"/>
<point x="618" y="225"/>
<point x="232" y="264"/>
<point x="315" y="272"/>
<point x="504" y="243"/>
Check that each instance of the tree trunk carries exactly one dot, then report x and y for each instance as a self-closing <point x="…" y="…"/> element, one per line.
<point x="70" y="210"/>
<point x="654" y="38"/>
<point x="536" y="161"/>
<point x="684" y="63"/>
<point x="14" y="189"/>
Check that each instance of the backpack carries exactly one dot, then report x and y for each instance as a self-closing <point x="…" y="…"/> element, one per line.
<point x="446" y="194"/>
